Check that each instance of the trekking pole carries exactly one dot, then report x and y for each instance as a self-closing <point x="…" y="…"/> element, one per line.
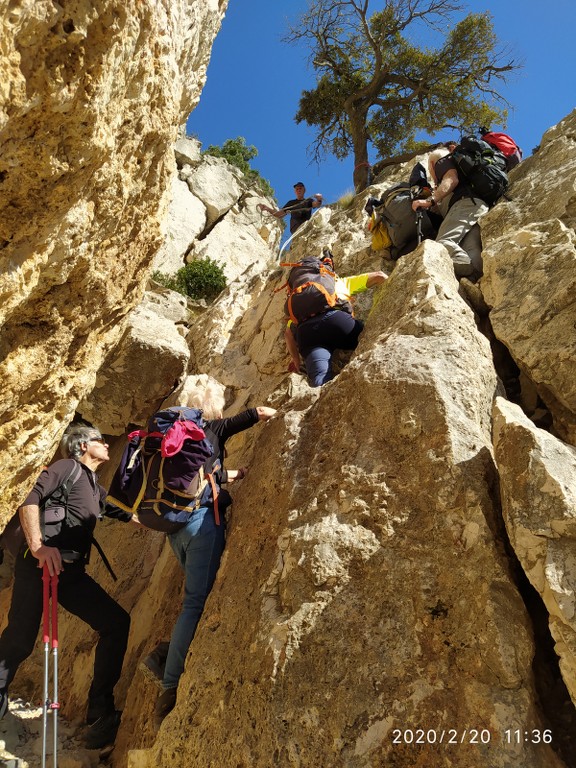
<point x="419" y="217"/>
<point x="46" y="641"/>
<point x="55" y="706"/>
<point x="50" y="617"/>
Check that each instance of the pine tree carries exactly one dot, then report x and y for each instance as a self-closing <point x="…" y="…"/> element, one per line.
<point x="379" y="81"/>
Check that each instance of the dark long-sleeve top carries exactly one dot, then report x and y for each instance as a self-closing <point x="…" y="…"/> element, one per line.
<point x="219" y="430"/>
<point x="85" y="503"/>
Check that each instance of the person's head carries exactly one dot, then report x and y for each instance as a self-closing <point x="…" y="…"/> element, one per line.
<point x="300" y="190"/>
<point x="451" y="145"/>
<point x="202" y="391"/>
<point x="85" y="444"/>
<point x="433" y="158"/>
<point x="483" y="130"/>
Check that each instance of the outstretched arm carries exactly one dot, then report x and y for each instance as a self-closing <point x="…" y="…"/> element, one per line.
<point x="448" y="184"/>
<point x="279" y="213"/>
<point x="264" y="412"/>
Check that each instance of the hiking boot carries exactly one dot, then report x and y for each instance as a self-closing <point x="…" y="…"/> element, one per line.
<point x="462" y="265"/>
<point x="103" y="730"/>
<point x="3" y="703"/>
<point x="153" y="665"/>
<point x="164" y="705"/>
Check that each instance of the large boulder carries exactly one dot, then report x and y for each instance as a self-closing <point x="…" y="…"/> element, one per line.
<point x="91" y="98"/>
<point x="363" y="594"/>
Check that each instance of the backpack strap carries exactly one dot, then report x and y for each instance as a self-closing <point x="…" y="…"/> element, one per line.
<point x="104" y="559"/>
<point x="98" y="548"/>
<point x="331" y="299"/>
<point x="60" y="494"/>
<point x="215" y="497"/>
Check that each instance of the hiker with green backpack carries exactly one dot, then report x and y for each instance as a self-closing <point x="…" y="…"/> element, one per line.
<point x="468" y="181"/>
<point x="57" y="521"/>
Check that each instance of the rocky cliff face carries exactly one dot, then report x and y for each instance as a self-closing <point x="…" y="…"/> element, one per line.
<point x="91" y="98"/>
<point x="398" y="581"/>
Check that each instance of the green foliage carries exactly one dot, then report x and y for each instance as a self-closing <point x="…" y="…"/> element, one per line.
<point x="376" y="84"/>
<point x="201" y="279"/>
<point x="238" y="153"/>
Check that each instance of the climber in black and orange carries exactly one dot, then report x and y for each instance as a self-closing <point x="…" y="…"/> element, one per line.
<point x="319" y="314"/>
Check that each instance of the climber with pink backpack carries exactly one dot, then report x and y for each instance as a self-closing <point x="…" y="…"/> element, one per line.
<point x="170" y="476"/>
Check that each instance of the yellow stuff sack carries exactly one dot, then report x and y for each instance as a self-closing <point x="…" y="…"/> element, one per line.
<point x="379" y="231"/>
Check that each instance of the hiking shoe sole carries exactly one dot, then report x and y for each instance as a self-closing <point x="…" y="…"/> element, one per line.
<point x="164" y="705"/>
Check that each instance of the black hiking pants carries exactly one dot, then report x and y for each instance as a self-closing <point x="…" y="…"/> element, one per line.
<point x="80" y="595"/>
<point x="320" y="336"/>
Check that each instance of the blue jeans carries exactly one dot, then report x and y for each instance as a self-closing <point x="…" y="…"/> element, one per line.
<point x="198" y="547"/>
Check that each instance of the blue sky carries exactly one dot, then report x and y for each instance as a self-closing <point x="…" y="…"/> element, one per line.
<point x="255" y="82"/>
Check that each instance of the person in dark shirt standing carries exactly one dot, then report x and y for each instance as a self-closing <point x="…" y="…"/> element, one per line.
<point x="300" y="208"/>
<point x="64" y="548"/>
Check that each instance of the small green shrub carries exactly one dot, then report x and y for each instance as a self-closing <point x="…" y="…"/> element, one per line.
<point x="238" y="153"/>
<point x="201" y="279"/>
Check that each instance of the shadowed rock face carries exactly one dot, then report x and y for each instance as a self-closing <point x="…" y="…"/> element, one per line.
<point x="91" y="99"/>
<point x="368" y="589"/>
<point x="530" y="275"/>
<point x="537" y="473"/>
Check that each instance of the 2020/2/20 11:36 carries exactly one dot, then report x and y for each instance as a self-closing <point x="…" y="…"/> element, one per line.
<point x="532" y="736"/>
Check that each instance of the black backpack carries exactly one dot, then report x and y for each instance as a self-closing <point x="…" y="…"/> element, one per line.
<point x="311" y="287"/>
<point x="482" y="168"/>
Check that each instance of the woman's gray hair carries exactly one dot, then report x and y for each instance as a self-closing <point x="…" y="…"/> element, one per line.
<point x="74" y="436"/>
<point x="201" y="391"/>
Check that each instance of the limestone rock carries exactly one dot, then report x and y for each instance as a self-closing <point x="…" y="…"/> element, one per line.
<point x="530" y="272"/>
<point x="138" y="374"/>
<point x="217" y="184"/>
<point x="187" y="151"/>
<point x="186" y="220"/>
<point x="168" y="304"/>
<point x="91" y="98"/>
<point x="538" y="487"/>
<point x="366" y="528"/>
<point x="241" y="239"/>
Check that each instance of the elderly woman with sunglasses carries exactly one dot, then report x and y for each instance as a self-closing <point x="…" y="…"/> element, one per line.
<point x="60" y="537"/>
